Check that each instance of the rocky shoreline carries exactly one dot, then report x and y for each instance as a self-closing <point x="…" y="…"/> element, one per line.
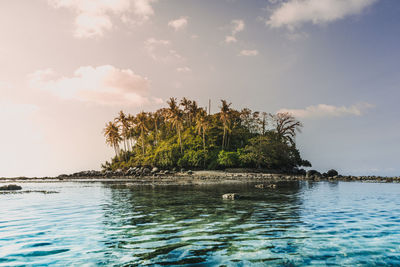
<point x="144" y="176"/>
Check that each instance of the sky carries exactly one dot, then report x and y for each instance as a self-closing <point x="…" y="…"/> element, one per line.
<point x="68" y="66"/>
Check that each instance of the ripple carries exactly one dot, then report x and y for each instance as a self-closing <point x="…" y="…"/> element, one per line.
<point x="297" y="224"/>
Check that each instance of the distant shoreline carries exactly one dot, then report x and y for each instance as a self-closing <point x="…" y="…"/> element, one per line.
<point x="198" y="178"/>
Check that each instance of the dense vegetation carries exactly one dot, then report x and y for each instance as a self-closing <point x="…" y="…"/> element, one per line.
<point x="185" y="136"/>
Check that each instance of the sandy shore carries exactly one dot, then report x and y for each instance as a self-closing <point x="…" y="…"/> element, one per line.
<point x="199" y="177"/>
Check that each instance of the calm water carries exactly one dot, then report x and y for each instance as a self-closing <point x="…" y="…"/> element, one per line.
<point x="107" y="224"/>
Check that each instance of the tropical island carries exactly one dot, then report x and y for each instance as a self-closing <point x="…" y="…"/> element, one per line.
<point x="184" y="135"/>
<point x="186" y="144"/>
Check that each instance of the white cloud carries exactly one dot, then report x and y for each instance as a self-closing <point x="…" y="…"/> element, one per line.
<point x="248" y="53"/>
<point x="293" y="13"/>
<point x="237" y="26"/>
<point x="323" y="110"/>
<point x="104" y="85"/>
<point x="160" y="50"/>
<point x="93" y="18"/>
<point x="230" y="39"/>
<point x="184" y="69"/>
<point x="178" y="24"/>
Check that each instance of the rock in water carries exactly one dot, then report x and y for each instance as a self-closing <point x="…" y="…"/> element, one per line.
<point x="10" y="187"/>
<point x="261" y="186"/>
<point x="230" y="196"/>
<point x="332" y="173"/>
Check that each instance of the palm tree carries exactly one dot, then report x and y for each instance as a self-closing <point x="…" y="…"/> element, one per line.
<point x="131" y="131"/>
<point x="177" y="123"/>
<point x="175" y="116"/>
<point x="173" y="105"/>
<point x="141" y="123"/>
<point x="156" y="118"/>
<point x="123" y="121"/>
<point x="202" y="125"/>
<point x="286" y="126"/>
<point x="111" y="132"/>
<point x="263" y="122"/>
<point x="186" y="103"/>
<point x="193" y="109"/>
<point x="225" y="118"/>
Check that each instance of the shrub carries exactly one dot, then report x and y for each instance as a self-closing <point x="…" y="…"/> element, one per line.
<point x="192" y="158"/>
<point x="228" y="159"/>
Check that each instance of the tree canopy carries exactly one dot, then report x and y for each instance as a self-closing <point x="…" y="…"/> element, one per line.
<point x="183" y="135"/>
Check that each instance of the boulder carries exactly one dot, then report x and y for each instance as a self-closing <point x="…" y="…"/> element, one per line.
<point x="260" y="186"/>
<point x="189" y="172"/>
<point x="146" y="171"/>
<point x="312" y="173"/>
<point x="230" y="196"/>
<point x="154" y="170"/>
<point x="332" y="173"/>
<point x="10" y="187"/>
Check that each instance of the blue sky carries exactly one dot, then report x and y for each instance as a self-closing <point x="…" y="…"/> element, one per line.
<point x="69" y="66"/>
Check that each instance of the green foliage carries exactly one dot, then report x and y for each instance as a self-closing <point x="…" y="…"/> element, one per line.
<point x="184" y="135"/>
<point x="193" y="159"/>
<point x="228" y="159"/>
<point x="166" y="155"/>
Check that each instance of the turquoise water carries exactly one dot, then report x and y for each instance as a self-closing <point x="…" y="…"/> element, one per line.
<point x="297" y="224"/>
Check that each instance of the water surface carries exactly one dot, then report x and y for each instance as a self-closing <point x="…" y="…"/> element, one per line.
<point x="300" y="223"/>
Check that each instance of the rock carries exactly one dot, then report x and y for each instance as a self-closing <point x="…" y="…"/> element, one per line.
<point x="189" y="172"/>
<point x="312" y="173"/>
<point x="130" y="171"/>
<point x="260" y="186"/>
<point x="272" y="186"/>
<point x="332" y="173"/>
<point x="182" y="170"/>
<point x="10" y="187"/>
<point x="146" y="171"/>
<point x="230" y="196"/>
<point x="154" y="170"/>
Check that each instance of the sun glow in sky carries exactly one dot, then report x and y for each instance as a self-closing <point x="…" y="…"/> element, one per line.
<point x="68" y="66"/>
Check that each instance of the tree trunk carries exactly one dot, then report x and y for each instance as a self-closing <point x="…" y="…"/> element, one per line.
<point x="204" y="149"/>
<point x="223" y="138"/>
<point x="155" y="124"/>
<point x="142" y="143"/>
<point x="180" y="140"/>
<point x="116" y="151"/>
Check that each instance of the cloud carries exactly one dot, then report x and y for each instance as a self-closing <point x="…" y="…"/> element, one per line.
<point x="104" y="85"/>
<point x="237" y="26"/>
<point x="179" y="24"/>
<point x="296" y="12"/>
<point x="230" y="39"/>
<point x="93" y="18"/>
<point x="160" y="50"/>
<point x="323" y="110"/>
<point x="184" y="69"/>
<point x="248" y="53"/>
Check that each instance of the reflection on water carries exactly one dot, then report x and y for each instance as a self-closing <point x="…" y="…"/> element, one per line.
<point x="298" y="223"/>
